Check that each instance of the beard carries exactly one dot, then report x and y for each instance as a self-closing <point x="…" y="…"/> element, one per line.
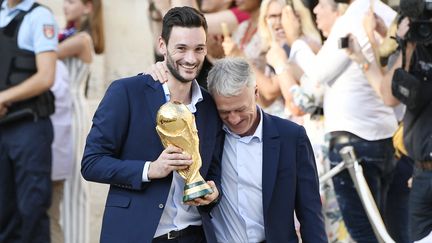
<point x="176" y="73"/>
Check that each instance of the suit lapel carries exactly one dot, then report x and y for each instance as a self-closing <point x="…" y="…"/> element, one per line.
<point x="155" y="97"/>
<point x="201" y="122"/>
<point x="271" y="147"/>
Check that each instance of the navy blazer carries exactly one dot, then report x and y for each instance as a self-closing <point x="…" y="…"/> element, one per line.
<point x="123" y="137"/>
<point x="290" y="182"/>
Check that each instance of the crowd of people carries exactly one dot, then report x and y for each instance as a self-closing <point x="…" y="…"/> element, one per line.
<point x="277" y="88"/>
<point x="342" y="95"/>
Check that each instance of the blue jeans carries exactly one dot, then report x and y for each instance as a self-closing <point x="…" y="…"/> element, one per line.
<point x="421" y="204"/>
<point x="378" y="166"/>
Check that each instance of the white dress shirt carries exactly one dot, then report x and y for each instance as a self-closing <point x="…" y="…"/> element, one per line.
<point x="350" y="102"/>
<point x="239" y="215"/>
<point x="176" y="215"/>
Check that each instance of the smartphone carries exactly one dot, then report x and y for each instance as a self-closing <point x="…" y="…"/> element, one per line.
<point x="343" y="42"/>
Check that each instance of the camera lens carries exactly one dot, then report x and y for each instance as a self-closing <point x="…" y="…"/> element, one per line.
<point x="420" y="31"/>
<point x="424" y="30"/>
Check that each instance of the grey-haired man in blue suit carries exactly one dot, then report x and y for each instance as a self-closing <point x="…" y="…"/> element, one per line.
<point x="268" y="167"/>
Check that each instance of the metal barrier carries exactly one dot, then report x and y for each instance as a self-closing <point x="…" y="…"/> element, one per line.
<point x="350" y="162"/>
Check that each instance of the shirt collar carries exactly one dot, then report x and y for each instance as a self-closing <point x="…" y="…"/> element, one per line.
<point x="257" y="134"/>
<point x="25" y="5"/>
<point x="196" y="95"/>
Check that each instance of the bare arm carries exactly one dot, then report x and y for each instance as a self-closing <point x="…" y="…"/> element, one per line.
<point x="214" y="21"/>
<point x="287" y="74"/>
<point x="287" y="80"/>
<point x="79" y="45"/>
<point x="385" y="88"/>
<point x="40" y="82"/>
<point x="179" y="3"/>
<point x="375" y="77"/>
<point x="268" y="88"/>
<point x="370" y="26"/>
<point x="372" y="70"/>
<point x="165" y="5"/>
<point x="386" y="84"/>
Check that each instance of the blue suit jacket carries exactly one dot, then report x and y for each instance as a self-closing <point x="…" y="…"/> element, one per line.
<point x="290" y="182"/>
<point x="123" y="137"/>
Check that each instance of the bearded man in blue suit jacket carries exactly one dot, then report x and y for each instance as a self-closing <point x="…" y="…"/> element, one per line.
<point x="124" y="150"/>
<point x="268" y="167"/>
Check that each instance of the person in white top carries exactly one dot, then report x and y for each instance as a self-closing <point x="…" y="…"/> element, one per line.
<point x="355" y="115"/>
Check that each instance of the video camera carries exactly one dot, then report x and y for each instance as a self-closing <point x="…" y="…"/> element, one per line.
<point x="409" y="86"/>
<point x="420" y="14"/>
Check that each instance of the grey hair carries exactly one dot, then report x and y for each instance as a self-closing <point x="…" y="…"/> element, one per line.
<point x="229" y="76"/>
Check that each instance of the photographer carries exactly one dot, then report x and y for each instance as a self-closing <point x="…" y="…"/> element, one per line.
<point x="411" y="84"/>
<point x="396" y="213"/>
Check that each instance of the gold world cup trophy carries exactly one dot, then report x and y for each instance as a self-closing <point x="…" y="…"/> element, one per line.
<point x="176" y="126"/>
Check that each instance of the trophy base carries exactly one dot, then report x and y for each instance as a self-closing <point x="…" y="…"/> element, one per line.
<point x="196" y="190"/>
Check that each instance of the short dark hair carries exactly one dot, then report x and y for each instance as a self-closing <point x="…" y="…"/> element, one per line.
<point x="182" y="17"/>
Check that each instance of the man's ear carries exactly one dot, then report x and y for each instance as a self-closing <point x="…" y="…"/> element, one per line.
<point x="256" y="92"/>
<point x="162" y="46"/>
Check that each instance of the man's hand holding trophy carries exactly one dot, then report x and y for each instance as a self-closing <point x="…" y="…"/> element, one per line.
<point x="179" y="135"/>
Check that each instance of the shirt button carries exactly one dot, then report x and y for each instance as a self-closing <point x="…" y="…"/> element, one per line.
<point x="161" y="205"/>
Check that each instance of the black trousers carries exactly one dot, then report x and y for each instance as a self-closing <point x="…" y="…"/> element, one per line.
<point x="25" y="179"/>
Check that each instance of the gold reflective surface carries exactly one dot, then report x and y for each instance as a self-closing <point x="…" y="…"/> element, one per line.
<point x="176" y="126"/>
